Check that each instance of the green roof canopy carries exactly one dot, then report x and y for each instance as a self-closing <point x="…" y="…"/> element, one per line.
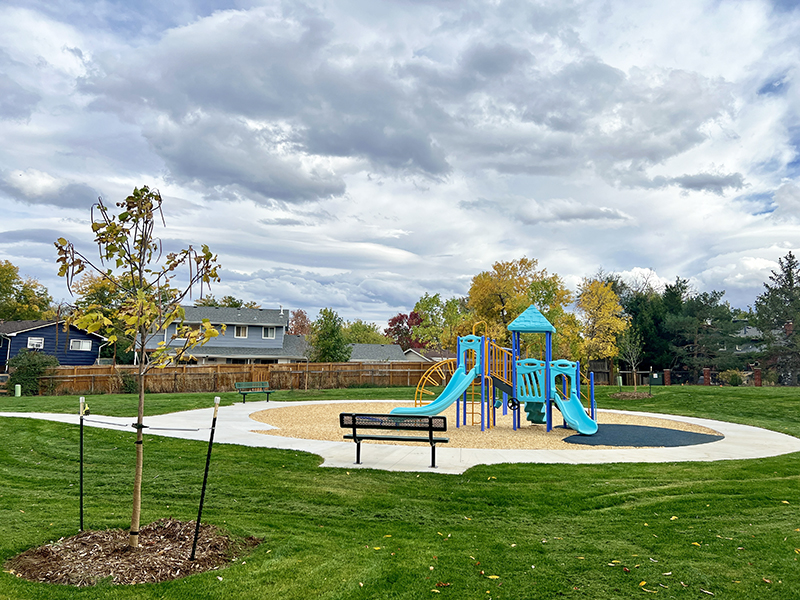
<point x="531" y="321"/>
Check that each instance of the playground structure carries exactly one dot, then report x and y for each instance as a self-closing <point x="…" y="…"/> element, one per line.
<point x="483" y="368"/>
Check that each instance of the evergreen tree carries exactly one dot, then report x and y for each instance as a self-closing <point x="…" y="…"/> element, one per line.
<point x="778" y="317"/>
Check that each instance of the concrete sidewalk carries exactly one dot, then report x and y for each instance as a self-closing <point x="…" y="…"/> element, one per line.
<point x="234" y="426"/>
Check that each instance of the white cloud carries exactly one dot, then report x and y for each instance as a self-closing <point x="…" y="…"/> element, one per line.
<point x="356" y="155"/>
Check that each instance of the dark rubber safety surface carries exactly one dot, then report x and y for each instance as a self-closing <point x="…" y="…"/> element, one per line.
<point x="641" y="436"/>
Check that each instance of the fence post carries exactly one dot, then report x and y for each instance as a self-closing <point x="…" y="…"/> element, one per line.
<point x="706" y="376"/>
<point x="757" y="377"/>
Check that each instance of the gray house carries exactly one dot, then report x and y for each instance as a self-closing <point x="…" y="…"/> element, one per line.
<point x="253" y="336"/>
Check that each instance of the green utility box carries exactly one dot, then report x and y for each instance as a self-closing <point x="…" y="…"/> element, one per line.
<point x="657" y="378"/>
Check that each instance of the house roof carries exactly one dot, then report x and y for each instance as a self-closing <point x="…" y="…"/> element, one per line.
<point x="376" y="353"/>
<point x="531" y="321"/>
<point x="237" y="316"/>
<point x="12" y="328"/>
<point x="294" y="346"/>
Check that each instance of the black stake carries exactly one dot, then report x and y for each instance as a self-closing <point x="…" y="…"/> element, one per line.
<point x="205" y="477"/>
<point x="82" y="400"/>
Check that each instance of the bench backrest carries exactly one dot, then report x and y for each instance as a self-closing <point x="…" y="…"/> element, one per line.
<point x="406" y="422"/>
<point x="246" y="385"/>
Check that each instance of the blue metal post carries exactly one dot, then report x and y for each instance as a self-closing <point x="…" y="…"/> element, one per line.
<point x="480" y="361"/>
<point x="458" y="402"/>
<point x="548" y="356"/>
<point x="593" y="404"/>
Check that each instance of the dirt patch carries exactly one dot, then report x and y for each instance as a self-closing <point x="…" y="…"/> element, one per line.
<point x="163" y="554"/>
<point x="321" y="422"/>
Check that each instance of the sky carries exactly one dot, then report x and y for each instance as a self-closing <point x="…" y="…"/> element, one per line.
<point x="356" y="154"/>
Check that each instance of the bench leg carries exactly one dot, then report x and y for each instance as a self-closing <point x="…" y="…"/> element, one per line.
<point x="433" y="456"/>
<point x="358" y="452"/>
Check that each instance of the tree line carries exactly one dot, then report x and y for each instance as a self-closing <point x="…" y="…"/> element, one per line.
<point x="630" y="322"/>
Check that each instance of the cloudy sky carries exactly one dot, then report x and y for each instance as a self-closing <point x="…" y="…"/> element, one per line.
<point x="358" y="153"/>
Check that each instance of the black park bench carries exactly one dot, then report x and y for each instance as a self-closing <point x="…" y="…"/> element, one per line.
<point x="358" y="421"/>
<point x="252" y="387"/>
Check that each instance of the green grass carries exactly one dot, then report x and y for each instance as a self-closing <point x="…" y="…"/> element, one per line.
<point x="122" y="405"/>
<point x="327" y="531"/>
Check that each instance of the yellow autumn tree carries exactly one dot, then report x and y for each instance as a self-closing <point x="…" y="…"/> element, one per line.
<point x="500" y="295"/>
<point x="603" y="319"/>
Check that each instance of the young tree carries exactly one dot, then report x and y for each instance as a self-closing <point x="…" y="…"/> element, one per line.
<point x="95" y="293"/>
<point x="603" y="319"/>
<point x="327" y="342"/>
<point x="630" y="350"/>
<point x="22" y="299"/>
<point x="132" y="261"/>
<point x="299" y="323"/>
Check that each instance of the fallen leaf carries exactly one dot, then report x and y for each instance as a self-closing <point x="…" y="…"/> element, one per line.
<point x="765" y="580"/>
<point x="667" y="574"/>
<point x="437" y="591"/>
<point x="387" y="536"/>
<point x="580" y="557"/>
<point x="513" y="545"/>
<point x="673" y="518"/>
<point x="706" y="592"/>
<point x="468" y="519"/>
<point x="650" y="591"/>
<point x="666" y="587"/>
<point x="626" y="569"/>
<point x="653" y="560"/>
<point x="218" y="577"/>
<point x="493" y="576"/>
<point x="431" y="568"/>
<point x="360" y="584"/>
<point x="785" y="501"/>
<point x="683" y="584"/>
<point x="642" y="583"/>
<point x="695" y="544"/>
<point x="646" y="525"/>
<point x="377" y="548"/>
<point x="616" y="561"/>
<point x="443" y="584"/>
<point x="797" y="550"/>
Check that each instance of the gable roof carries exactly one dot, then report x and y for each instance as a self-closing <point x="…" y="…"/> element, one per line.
<point x="237" y="316"/>
<point x="12" y="328"/>
<point x="531" y="321"/>
<point x="376" y="353"/>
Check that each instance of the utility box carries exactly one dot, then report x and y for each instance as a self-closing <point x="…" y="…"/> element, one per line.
<point x="656" y="378"/>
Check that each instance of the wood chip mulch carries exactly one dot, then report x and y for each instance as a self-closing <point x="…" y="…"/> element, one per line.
<point x="163" y="554"/>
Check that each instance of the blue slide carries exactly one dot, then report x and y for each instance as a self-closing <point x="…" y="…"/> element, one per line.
<point x="574" y="414"/>
<point x="457" y="385"/>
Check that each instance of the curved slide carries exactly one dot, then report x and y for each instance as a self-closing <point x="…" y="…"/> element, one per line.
<point x="574" y="414"/>
<point x="457" y="385"/>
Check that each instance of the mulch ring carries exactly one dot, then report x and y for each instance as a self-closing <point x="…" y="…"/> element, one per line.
<point x="163" y="554"/>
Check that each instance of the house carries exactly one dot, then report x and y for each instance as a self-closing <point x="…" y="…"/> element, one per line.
<point x="74" y="347"/>
<point x="253" y="336"/>
<point x="428" y="355"/>
<point x="370" y="353"/>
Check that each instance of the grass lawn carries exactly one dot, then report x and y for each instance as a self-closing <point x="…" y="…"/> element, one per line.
<point x="731" y="528"/>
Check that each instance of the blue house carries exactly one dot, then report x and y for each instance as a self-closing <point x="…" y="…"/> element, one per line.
<point x="74" y="347"/>
<point x="253" y="336"/>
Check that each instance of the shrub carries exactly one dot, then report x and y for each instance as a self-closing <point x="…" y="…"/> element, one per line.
<point x="732" y="377"/>
<point x="129" y="385"/>
<point x="28" y="367"/>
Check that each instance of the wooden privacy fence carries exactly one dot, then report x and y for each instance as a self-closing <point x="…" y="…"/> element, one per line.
<point x="220" y="378"/>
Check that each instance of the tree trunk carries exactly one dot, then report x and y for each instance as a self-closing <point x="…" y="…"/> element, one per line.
<point x="133" y="539"/>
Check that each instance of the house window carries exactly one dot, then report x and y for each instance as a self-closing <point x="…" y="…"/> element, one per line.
<point x="82" y="345"/>
<point x="36" y="343"/>
<point x="240" y="331"/>
<point x="268" y="333"/>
